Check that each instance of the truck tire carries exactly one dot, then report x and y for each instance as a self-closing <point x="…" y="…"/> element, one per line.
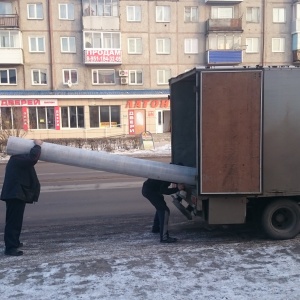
<point x="281" y="219"/>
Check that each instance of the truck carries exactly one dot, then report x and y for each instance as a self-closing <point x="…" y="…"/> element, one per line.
<point x="240" y="129"/>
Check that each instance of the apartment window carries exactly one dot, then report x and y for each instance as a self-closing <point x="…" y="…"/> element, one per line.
<point x="107" y="8"/>
<point x="39" y="77"/>
<point x="163" y="46"/>
<point x="252" y="45"/>
<point x="70" y="76"/>
<point x="41" y="117"/>
<point x="253" y="15"/>
<point x="9" y="39"/>
<point x="163" y="76"/>
<point x="135" y="46"/>
<point x="163" y="13"/>
<point x="35" y="11"/>
<point x="105" y="116"/>
<point x="224" y="42"/>
<point x="36" y="44"/>
<point x="191" y="46"/>
<point x="190" y="14"/>
<point x="68" y="44"/>
<point x="278" y="44"/>
<point x="66" y="11"/>
<point x="6" y="8"/>
<point x="102" y="40"/>
<point x="72" y="117"/>
<point x="11" y="118"/>
<point x="278" y="15"/>
<point x="221" y="12"/>
<point x="104" y="77"/>
<point x="134" y="14"/>
<point x="8" y="76"/>
<point x="135" y="77"/>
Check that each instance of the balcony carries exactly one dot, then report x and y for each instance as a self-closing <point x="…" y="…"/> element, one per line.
<point x="295" y="25"/>
<point x="100" y="23"/>
<point x="223" y="1"/>
<point x="224" y="57"/>
<point x="9" y="21"/>
<point x="103" y="56"/>
<point x="296" y="56"/>
<point x="224" y="25"/>
<point x="10" y="56"/>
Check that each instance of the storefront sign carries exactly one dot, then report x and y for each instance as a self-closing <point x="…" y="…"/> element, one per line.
<point x="57" y="118"/>
<point x="25" y="118"/>
<point x="148" y="103"/>
<point x="103" y="56"/>
<point x="27" y="102"/>
<point x="136" y="121"/>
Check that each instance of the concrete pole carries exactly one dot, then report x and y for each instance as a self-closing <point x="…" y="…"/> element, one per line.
<point x="101" y="160"/>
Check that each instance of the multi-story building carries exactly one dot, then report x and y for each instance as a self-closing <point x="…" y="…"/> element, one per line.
<point x="94" y="68"/>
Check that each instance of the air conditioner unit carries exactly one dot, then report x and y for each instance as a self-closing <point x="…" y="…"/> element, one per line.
<point x="123" y="72"/>
<point x="124" y="80"/>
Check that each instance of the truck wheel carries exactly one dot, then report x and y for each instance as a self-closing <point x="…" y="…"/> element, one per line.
<point x="281" y="219"/>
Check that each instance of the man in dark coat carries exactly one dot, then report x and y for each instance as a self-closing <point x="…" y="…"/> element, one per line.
<point x="21" y="186"/>
<point x="154" y="190"/>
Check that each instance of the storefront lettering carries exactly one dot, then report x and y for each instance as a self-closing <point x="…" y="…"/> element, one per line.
<point x="21" y="102"/>
<point x="146" y="103"/>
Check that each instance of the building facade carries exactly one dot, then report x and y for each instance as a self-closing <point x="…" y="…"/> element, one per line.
<point x="96" y="68"/>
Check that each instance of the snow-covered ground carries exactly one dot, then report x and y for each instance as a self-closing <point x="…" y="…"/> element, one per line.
<point x="102" y="260"/>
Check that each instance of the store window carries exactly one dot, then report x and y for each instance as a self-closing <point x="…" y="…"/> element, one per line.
<point x="41" y="118"/>
<point x="66" y="11"/>
<point x="105" y="116"/>
<point x="134" y="14"/>
<point x="8" y="76"/>
<point x="11" y="118"/>
<point x="104" y="77"/>
<point x="72" y="116"/>
<point x="190" y="14"/>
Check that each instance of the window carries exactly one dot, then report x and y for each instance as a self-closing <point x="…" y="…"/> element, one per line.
<point x="66" y="11"/>
<point x="135" y="77"/>
<point x="36" y="44"/>
<point x="67" y="44"/>
<point x="107" y="8"/>
<point x="35" y="11"/>
<point x="105" y="116"/>
<point x="163" y="76"/>
<point x="6" y="8"/>
<point x="135" y="46"/>
<point x="278" y="44"/>
<point x="39" y="77"/>
<point x="72" y="116"/>
<point x="224" y="42"/>
<point x="70" y="75"/>
<point x="163" y="46"/>
<point x="8" y="76"/>
<point x="252" y="45"/>
<point x="103" y="76"/>
<point x="221" y="12"/>
<point x="11" y="118"/>
<point x="190" y="14"/>
<point x="102" y="40"/>
<point x="278" y="15"/>
<point x="41" y="118"/>
<point x="9" y="39"/>
<point x="191" y="46"/>
<point x="134" y="14"/>
<point x="253" y="15"/>
<point x="163" y="13"/>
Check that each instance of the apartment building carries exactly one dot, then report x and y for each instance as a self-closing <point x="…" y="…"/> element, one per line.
<point x="95" y="68"/>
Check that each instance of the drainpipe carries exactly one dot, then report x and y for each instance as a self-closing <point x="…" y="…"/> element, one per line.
<point x="52" y="68"/>
<point x="263" y="24"/>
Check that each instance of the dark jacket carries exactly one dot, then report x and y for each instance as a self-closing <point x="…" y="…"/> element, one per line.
<point x="21" y="181"/>
<point x="154" y="186"/>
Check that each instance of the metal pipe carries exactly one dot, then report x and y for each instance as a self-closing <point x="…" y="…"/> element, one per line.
<point x="101" y="160"/>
